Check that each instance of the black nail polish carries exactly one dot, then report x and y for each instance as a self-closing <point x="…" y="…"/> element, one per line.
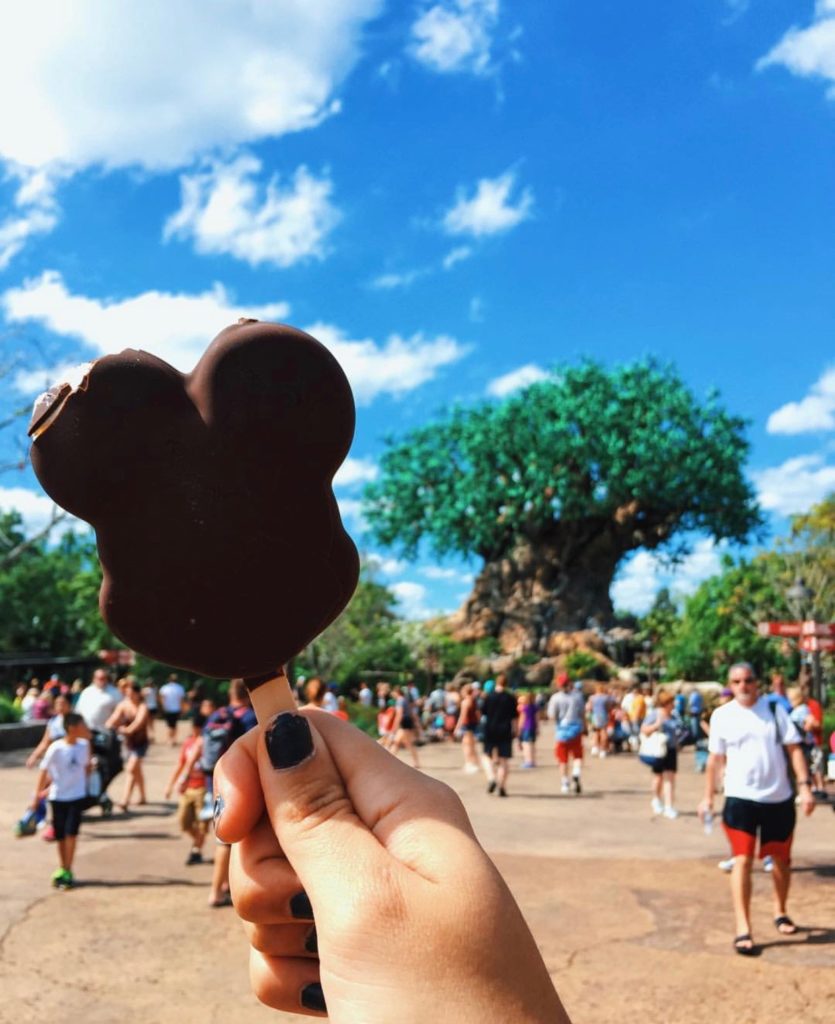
<point x="313" y="998"/>
<point x="300" y="907"/>
<point x="311" y="943"/>
<point x="218" y="809"/>
<point x="289" y="740"/>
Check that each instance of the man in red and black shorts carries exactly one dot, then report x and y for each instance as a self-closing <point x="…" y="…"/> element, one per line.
<point x="754" y="740"/>
<point x="567" y="709"/>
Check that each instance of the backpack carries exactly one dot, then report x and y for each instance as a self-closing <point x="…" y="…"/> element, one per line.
<point x="223" y="728"/>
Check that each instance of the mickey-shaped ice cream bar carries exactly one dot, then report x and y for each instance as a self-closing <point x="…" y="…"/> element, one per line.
<point x="210" y="493"/>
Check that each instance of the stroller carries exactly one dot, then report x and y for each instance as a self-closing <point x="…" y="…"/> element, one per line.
<point x="107" y="763"/>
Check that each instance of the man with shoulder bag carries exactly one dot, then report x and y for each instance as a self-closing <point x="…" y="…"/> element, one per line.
<point x="756" y="742"/>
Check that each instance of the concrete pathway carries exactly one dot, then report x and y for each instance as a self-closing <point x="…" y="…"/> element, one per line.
<point x="631" y="913"/>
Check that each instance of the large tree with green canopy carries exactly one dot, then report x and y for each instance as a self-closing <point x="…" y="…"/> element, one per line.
<point x="553" y="486"/>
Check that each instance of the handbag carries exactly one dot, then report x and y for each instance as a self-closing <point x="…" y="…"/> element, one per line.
<point x="653" y="748"/>
<point x="569" y="731"/>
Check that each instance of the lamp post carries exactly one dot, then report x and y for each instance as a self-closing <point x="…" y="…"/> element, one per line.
<point x="801" y="598"/>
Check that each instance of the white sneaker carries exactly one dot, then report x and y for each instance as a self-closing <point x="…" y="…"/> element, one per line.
<point x="471" y="769"/>
<point x="726" y="865"/>
<point x="768" y="863"/>
<point x="671" y="813"/>
<point x="595" y="751"/>
<point x="564" y="786"/>
<point x="657" y="806"/>
<point x="602" y="754"/>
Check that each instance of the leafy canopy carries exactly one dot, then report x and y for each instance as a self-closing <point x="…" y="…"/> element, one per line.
<point x="49" y="594"/>
<point x="629" y="448"/>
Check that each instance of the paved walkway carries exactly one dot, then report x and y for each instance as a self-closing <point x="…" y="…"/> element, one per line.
<point x="631" y="914"/>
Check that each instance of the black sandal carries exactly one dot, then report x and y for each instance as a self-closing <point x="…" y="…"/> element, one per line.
<point x="784" y="921"/>
<point x="745" y="950"/>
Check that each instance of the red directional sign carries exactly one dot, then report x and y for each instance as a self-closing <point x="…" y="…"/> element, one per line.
<point x="817" y="643"/>
<point x="823" y="629"/>
<point x="779" y="628"/>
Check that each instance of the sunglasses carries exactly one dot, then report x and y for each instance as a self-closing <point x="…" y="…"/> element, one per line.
<point x="745" y="679"/>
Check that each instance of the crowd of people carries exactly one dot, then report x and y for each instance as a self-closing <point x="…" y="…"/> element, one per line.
<point x="93" y="732"/>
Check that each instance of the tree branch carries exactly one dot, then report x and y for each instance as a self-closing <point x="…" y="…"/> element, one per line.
<point x="11" y="556"/>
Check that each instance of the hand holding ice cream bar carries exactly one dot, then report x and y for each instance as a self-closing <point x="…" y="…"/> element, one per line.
<point x="210" y="493"/>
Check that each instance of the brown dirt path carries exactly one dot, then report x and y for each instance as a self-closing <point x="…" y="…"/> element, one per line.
<point x="631" y="914"/>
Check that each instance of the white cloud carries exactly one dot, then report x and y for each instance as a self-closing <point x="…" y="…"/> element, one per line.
<point x="178" y="327"/>
<point x="456" y="35"/>
<point x="35" y="508"/>
<point x="526" y="375"/>
<point x="175" y="327"/>
<point x="640" y="579"/>
<point x="398" y="366"/>
<point x="155" y="85"/>
<point x="457" y="255"/>
<point x="490" y="210"/>
<point x="355" y="471"/>
<point x="475" y="310"/>
<point x="390" y="281"/>
<point x="412" y="599"/>
<point x="796" y="485"/>
<point x="437" y="572"/>
<point x="808" y="52"/>
<point x="36" y="213"/>
<point x="814" y="412"/>
<point x="385" y="565"/>
<point x="225" y="210"/>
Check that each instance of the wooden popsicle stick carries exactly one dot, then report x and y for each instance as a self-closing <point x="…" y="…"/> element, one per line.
<point x="271" y="698"/>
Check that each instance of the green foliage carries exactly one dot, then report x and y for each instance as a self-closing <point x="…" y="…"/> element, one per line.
<point x="437" y="654"/>
<point x="8" y="712"/>
<point x="719" y="623"/>
<point x="582" y="665"/>
<point x="364" y="638"/>
<point x="661" y="620"/>
<point x="809" y="553"/>
<point x="629" y="447"/>
<point x="49" y="594"/>
<point x="363" y="718"/>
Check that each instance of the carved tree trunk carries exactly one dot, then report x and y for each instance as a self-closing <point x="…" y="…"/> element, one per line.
<point x="540" y="589"/>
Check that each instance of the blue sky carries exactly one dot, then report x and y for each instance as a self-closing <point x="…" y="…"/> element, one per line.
<point x="451" y="195"/>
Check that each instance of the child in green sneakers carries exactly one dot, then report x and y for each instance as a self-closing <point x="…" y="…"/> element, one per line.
<point x="65" y="767"/>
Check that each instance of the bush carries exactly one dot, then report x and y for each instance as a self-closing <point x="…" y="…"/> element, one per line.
<point x="8" y="712"/>
<point x="363" y="718"/>
<point x="582" y="665"/>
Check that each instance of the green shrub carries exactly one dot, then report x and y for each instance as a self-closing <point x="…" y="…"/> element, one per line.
<point x="8" y="712"/>
<point x="582" y="665"/>
<point x="363" y="718"/>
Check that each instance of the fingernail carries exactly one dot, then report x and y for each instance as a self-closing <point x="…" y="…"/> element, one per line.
<point x="311" y="943"/>
<point x="313" y="998"/>
<point x="289" y="740"/>
<point x="300" y="906"/>
<point x="218" y="810"/>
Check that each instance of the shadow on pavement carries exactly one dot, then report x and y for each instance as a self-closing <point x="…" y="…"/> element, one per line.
<point x="137" y="883"/>
<point x="821" y="870"/>
<point x="805" y="936"/>
<point x="129" y="835"/>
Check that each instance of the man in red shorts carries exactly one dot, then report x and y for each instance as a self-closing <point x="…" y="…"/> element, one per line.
<point x="754" y="739"/>
<point x="567" y="709"/>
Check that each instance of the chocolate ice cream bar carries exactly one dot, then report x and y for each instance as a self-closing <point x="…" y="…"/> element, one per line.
<point x="219" y="536"/>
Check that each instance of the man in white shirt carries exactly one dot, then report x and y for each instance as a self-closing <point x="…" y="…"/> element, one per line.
<point x="171" y="696"/>
<point x="754" y="741"/>
<point x="97" y="702"/>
